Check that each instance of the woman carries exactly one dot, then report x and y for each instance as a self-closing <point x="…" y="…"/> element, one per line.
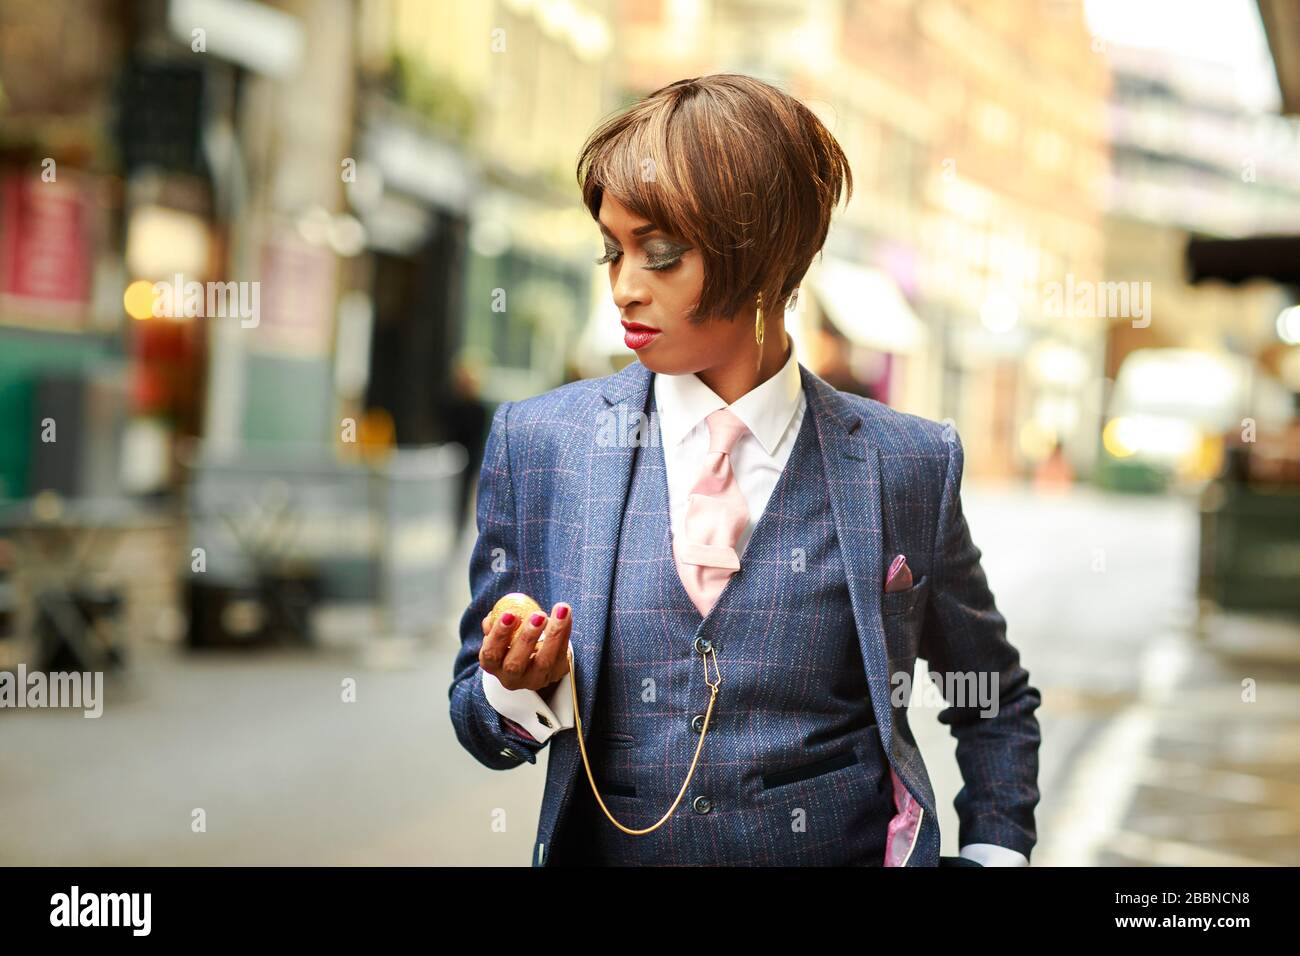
<point x="742" y="564"/>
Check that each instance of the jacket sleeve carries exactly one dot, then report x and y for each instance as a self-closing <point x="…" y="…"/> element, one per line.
<point x="493" y="572"/>
<point x="964" y="641"/>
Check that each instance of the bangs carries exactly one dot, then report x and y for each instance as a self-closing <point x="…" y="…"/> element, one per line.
<point x="628" y="158"/>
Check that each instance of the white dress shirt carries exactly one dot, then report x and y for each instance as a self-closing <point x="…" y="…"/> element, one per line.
<point x="773" y="413"/>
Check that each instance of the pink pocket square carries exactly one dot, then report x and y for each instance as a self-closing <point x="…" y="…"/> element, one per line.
<point x="899" y="577"/>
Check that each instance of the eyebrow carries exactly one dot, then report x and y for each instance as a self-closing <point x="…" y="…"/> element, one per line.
<point x="638" y="231"/>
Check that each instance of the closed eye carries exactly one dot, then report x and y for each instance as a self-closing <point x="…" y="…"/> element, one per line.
<point x="654" y="264"/>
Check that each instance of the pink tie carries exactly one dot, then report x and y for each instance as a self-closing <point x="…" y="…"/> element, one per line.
<point x="716" y="514"/>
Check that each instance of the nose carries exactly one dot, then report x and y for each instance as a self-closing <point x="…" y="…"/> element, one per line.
<point x="629" y="289"/>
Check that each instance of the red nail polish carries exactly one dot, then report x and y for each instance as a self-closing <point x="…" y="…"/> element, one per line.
<point x="537" y="619"/>
<point x="562" y="613"/>
<point x="508" y="619"/>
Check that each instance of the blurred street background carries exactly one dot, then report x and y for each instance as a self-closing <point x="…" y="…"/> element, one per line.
<point x="267" y="268"/>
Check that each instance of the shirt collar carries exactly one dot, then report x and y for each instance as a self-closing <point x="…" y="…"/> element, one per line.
<point x="683" y="402"/>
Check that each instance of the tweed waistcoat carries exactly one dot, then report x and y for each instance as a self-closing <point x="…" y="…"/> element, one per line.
<point x="792" y="771"/>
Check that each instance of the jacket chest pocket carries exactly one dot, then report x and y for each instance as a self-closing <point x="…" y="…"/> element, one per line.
<point x="901" y="614"/>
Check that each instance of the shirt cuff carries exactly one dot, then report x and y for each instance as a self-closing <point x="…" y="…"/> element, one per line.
<point x="540" y="716"/>
<point x="988" y="854"/>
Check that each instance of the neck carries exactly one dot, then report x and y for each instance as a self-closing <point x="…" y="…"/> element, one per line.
<point x="738" y="378"/>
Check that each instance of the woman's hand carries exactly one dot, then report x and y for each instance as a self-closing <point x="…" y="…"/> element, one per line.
<point x="513" y="663"/>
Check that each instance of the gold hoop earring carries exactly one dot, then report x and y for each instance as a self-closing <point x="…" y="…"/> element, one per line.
<point x="758" y="322"/>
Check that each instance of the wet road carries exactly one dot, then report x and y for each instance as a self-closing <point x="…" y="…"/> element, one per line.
<point x="1150" y="756"/>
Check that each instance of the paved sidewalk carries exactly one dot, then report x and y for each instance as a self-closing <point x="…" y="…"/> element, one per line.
<point x="1203" y="768"/>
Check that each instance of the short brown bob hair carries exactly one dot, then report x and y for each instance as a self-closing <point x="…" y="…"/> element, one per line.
<point x="739" y="169"/>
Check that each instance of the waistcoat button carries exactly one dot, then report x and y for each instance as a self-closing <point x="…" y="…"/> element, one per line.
<point x="697" y="723"/>
<point x="702" y="804"/>
<point x="703" y="644"/>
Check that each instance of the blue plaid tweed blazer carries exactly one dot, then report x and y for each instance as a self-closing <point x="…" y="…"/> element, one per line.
<point x="552" y="491"/>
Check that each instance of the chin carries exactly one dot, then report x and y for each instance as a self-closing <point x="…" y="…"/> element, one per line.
<point x="661" y="366"/>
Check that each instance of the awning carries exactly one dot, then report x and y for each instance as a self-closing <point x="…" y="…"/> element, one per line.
<point x="1239" y="260"/>
<point x="866" y="305"/>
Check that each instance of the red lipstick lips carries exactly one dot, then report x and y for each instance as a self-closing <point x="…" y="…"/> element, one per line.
<point x="638" y="336"/>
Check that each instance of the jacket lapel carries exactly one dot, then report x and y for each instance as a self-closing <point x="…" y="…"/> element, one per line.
<point x="614" y="434"/>
<point x="852" y="467"/>
<point x="851" y="461"/>
<point x="600" y="502"/>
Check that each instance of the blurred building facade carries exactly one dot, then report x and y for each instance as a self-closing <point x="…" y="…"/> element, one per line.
<point x="60" y="202"/>
<point x="419" y="212"/>
<point x="397" y="178"/>
<point x="1190" y="159"/>
<point x="495" y="100"/>
<point x="178" y="151"/>
<point x="976" y="134"/>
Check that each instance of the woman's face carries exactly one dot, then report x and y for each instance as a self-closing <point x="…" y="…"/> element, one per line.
<point x="655" y="280"/>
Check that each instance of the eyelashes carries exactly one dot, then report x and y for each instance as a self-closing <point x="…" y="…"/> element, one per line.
<point x="654" y="265"/>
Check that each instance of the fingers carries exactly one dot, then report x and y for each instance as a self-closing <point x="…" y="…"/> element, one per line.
<point x="517" y="666"/>
<point x="510" y="649"/>
<point x="496" y="644"/>
<point x="552" y="661"/>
